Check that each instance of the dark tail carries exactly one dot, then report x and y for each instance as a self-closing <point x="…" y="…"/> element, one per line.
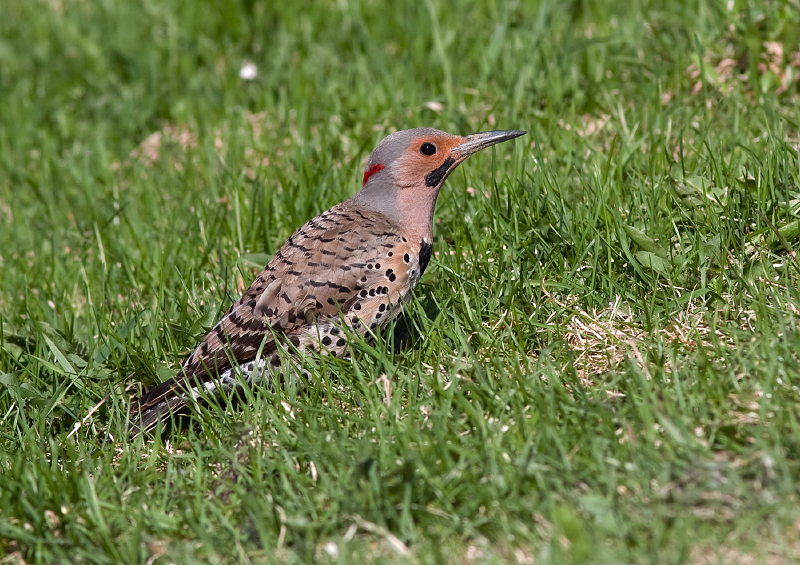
<point x="156" y="406"/>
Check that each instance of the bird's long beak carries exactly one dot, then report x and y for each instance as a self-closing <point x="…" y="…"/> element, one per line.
<point x="478" y="141"/>
<point x="472" y="143"/>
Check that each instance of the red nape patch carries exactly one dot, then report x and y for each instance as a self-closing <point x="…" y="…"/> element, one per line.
<point x="374" y="169"/>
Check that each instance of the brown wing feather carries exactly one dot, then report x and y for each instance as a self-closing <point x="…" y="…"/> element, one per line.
<point x="316" y="273"/>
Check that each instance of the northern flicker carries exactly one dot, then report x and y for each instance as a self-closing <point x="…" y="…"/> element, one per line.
<point x="350" y="269"/>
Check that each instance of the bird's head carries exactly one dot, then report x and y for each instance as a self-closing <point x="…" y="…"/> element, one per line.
<point x="407" y="169"/>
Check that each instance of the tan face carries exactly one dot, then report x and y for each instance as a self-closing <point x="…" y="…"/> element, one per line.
<point x="427" y="159"/>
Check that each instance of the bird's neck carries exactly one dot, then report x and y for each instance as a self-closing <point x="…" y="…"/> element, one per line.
<point x="416" y="208"/>
<point x="411" y="207"/>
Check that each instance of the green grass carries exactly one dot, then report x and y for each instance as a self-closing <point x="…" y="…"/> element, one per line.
<point x="602" y="362"/>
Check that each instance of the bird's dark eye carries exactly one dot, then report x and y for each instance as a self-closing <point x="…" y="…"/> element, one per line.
<point x="427" y="149"/>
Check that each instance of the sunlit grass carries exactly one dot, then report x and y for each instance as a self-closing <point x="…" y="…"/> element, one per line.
<point x="600" y="364"/>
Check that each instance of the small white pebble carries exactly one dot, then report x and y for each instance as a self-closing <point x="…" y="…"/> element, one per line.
<point x="332" y="550"/>
<point x="248" y="71"/>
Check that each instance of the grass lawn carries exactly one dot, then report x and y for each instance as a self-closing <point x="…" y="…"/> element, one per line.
<point x="601" y="364"/>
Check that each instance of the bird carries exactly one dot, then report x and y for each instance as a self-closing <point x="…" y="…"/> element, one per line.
<point x="347" y="271"/>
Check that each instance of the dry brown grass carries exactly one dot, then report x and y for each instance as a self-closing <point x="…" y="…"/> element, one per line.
<point x="605" y="337"/>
